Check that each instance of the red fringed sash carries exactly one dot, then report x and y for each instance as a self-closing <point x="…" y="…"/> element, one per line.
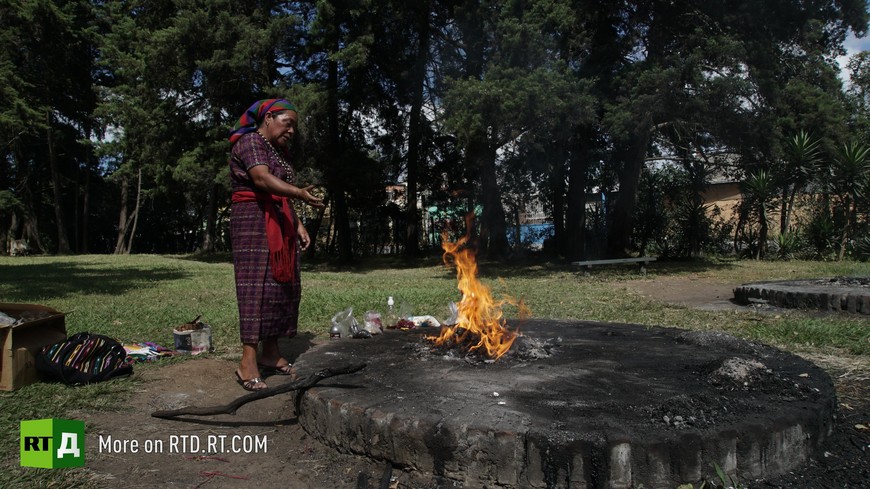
<point x="281" y="236"/>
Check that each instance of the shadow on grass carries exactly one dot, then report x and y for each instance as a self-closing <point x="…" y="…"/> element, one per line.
<point x="529" y="266"/>
<point x="366" y="264"/>
<point x="536" y="267"/>
<point x="207" y="257"/>
<point x="692" y="265"/>
<point x="27" y="283"/>
<point x="323" y="263"/>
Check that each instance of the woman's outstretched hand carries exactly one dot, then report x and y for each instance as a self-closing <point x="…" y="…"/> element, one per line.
<point x="310" y="199"/>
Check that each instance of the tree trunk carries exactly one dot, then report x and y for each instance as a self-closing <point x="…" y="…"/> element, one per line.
<point x="330" y="230"/>
<point x="30" y="225"/>
<point x="738" y="230"/>
<point x="762" y="233"/>
<point x="844" y="238"/>
<point x="77" y="218"/>
<point x="334" y="153"/>
<point x="697" y="171"/>
<point x="62" y="241"/>
<point x="695" y="229"/>
<point x="789" y="209"/>
<point x="135" y="214"/>
<point x="342" y="228"/>
<point x="12" y="233"/>
<point x="518" y="228"/>
<point x="4" y="236"/>
<point x="313" y="229"/>
<point x="493" y="232"/>
<point x="783" y="211"/>
<point x="575" y="225"/>
<point x="84" y="237"/>
<point x="415" y="133"/>
<point x="621" y="221"/>
<point x="557" y="188"/>
<point x="210" y="220"/>
<point x="123" y="220"/>
<point x="211" y="212"/>
<point x="29" y="221"/>
<point x="31" y="229"/>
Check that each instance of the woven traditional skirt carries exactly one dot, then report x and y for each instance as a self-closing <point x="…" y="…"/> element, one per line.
<point x="267" y="309"/>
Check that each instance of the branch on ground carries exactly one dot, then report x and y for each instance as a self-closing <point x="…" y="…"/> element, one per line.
<point x="232" y="407"/>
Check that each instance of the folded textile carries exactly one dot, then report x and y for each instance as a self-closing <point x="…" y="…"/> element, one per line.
<point x="147" y="351"/>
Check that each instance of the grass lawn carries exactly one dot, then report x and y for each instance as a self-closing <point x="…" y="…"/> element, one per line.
<point x="141" y="297"/>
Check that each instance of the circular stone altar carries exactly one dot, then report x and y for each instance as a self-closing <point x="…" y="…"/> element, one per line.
<point x="849" y="294"/>
<point x="573" y="404"/>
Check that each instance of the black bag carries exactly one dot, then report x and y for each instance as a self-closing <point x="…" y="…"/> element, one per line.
<point x="84" y="358"/>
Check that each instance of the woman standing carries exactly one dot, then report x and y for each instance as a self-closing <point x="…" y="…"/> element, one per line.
<point x="266" y="236"/>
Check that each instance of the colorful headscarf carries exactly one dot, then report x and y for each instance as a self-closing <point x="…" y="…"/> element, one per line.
<point x="255" y="113"/>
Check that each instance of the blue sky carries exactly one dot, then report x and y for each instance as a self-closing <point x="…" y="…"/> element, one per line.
<point x="854" y="46"/>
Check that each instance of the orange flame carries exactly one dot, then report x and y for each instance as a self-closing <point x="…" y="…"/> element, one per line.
<point x="480" y="324"/>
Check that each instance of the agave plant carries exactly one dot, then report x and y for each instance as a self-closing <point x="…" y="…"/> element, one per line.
<point x="803" y="157"/>
<point x="850" y="178"/>
<point x="759" y="189"/>
<point x="862" y="248"/>
<point x="787" y="244"/>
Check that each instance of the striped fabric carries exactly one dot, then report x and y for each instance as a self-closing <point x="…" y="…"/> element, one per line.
<point x="256" y="112"/>
<point x="96" y="356"/>
<point x="267" y="309"/>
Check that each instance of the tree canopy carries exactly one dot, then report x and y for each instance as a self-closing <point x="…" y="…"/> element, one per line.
<point x="115" y="116"/>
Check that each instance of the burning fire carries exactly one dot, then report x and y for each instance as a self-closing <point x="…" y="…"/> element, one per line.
<point x="480" y="325"/>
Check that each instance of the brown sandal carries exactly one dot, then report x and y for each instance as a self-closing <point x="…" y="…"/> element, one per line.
<point x="250" y="384"/>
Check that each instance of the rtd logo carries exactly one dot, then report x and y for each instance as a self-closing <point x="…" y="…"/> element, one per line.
<point x="52" y="443"/>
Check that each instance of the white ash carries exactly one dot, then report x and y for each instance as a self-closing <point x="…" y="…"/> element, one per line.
<point x="741" y="369"/>
<point x="526" y="348"/>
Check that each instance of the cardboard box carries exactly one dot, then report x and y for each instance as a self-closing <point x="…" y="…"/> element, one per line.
<point x="21" y="342"/>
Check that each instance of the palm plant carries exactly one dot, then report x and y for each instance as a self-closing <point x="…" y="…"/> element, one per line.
<point x="802" y="157"/>
<point x="759" y="190"/>
<point x="849" y="180"/>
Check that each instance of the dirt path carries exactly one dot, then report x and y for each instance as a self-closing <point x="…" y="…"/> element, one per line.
<point x="261" y="446"/>
<point x="692" y="292"/>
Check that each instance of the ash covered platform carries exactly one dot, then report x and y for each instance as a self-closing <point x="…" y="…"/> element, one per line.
<point x="840" y="294"/>
<point x="572" y="405"/>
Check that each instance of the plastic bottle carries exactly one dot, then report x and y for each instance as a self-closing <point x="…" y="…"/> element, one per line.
<point x="391" y="313"/>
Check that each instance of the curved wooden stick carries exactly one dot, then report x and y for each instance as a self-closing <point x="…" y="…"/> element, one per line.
<point x="301" y="385"/>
